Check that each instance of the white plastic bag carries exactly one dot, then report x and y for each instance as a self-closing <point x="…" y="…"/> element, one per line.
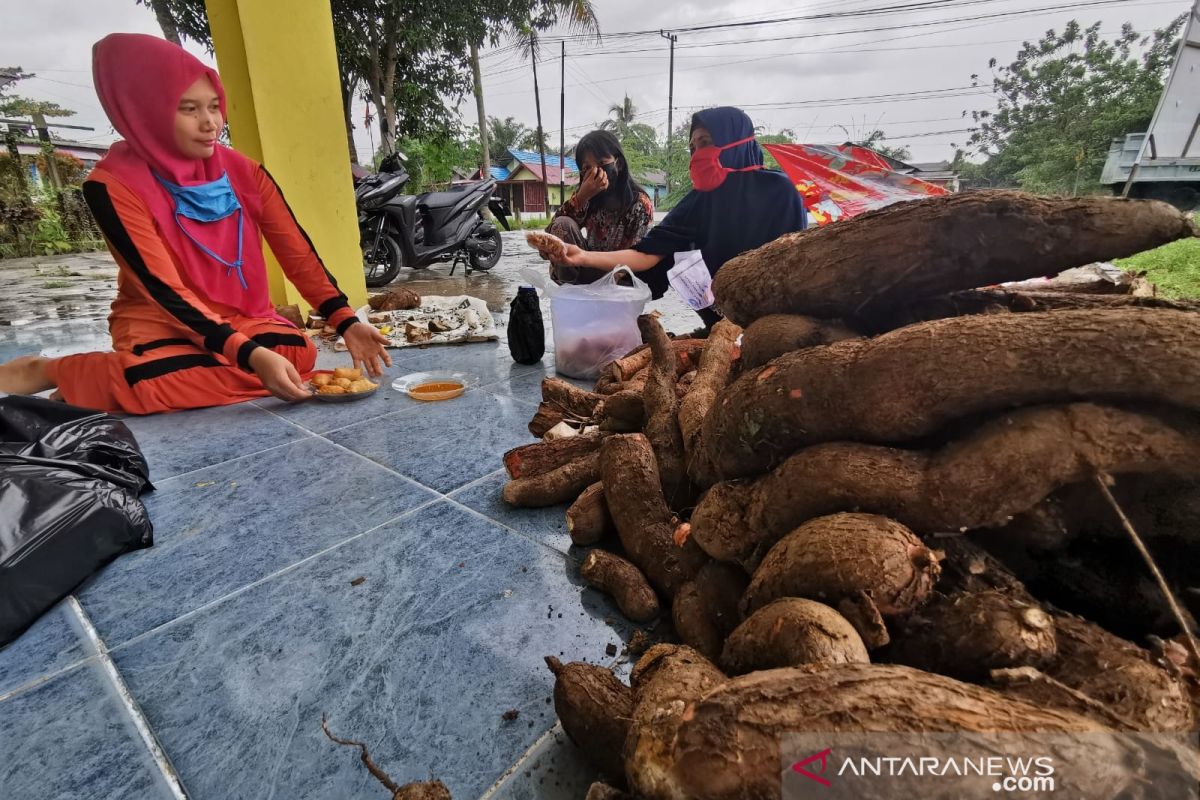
<point x="691" y="279"/>
<point x="594" y="323"/>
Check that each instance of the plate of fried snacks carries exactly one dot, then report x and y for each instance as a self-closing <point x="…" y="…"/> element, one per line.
<point x="342" y="385"/>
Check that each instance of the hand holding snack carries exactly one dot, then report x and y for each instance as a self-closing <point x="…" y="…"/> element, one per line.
<point x="549" y="246"/>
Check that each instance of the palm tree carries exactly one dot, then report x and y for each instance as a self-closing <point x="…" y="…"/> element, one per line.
<point x="623" y="114"/>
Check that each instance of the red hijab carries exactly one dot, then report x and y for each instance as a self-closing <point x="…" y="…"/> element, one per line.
<point x="140" y="80"/>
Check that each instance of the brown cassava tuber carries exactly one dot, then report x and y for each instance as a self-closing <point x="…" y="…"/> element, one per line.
<point x="595" y="710"/>
<point x="967" y="635"/>
<point x="1120" y="674"/>
<point x="665" y="681"/>
<point x="791" y="632"/>
<point x="832" y="557"/>
<point x="774" y="335"/>
<point x="662" y="413"/>
<point x="644" y="523"/>
<point x="624" y="582"/>
<point x="569" y="398"/>
<point x="712" y="375"/>
<point x="1003" y="301"/>
<point x="730" y="742"/>
<point x="588" y="520"/>
<point x="705" y="610"/>
<point x="953" y="242"/>
<point x="912" y="382"/>
<point x="541" y="457"/>
<point x="561" y="485"/>
<point x="1005" y="467"/>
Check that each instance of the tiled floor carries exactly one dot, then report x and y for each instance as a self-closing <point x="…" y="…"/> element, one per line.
<point x="348" y="560"/>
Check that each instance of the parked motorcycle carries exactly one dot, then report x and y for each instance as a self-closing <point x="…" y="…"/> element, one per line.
<point x="398" y="230"/>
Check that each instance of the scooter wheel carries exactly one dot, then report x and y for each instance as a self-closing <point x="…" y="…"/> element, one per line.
<point x="484" y="259"/>
<point x="385" y="266"/>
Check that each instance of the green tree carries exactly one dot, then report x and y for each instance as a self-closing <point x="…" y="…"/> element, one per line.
<point x="875" y="140"/>
<point x="503" y="134"/>
<point x="13" y="105"/>
<point x="1063" y="99"/>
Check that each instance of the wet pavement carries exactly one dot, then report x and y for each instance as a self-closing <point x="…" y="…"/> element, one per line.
<point x="59" y="304"/>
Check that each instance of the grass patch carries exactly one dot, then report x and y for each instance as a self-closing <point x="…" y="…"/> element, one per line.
<point x="57" y="285"/>
<point x="529" y="223"/>
<point x="1173" y="268"/>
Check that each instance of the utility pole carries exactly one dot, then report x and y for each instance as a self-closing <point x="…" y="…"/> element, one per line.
<point x="562" y="126"/>
<point x="672" y="38"/>
<point x="541" y="137"/>
<point x="486" y="167"/>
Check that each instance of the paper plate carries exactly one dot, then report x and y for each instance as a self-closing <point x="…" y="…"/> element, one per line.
<point x="340" y="398"/>
<point x="452" y="384"/>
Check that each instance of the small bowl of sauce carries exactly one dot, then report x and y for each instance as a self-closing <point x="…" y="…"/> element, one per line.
<point x="432" y="386"/>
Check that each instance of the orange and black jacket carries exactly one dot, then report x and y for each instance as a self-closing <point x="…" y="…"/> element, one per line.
<point x="155" y="306"/>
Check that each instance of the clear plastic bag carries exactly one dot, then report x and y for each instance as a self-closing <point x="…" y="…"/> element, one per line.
<point x="595" y="323"/>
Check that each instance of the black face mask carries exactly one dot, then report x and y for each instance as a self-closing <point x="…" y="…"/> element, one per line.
<point x="611" y="171"/>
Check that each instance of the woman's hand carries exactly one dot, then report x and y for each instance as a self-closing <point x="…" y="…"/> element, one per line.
<point x="593" y="184"/>
<point x="278" y="375"/>
<point x="574" y="256"/>
<point x="367" y="347"/>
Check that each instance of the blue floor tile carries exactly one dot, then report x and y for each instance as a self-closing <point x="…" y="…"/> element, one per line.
<point x="217" y="530"/>
<point x="554" y="769"/>
<point x="190" y="440"/>
<point x="51" y="643"/>
<point x="444" y="445"/>
<point x="420" y="660"/>
<point x="72" y="738"/>
<point x="546" y="525"/>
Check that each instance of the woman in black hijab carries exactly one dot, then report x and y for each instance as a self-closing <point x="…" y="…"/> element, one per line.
<point x="735" y="205"/>
<point x="609" y="205"/>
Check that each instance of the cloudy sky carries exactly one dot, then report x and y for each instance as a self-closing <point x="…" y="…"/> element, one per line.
<point x="824" y="79"/>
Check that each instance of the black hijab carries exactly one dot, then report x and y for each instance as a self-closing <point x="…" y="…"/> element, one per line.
<point x="746" y="211"/>
<point x="622" y="192"/>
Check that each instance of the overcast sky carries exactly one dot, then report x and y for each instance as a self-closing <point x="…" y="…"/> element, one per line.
<point x="807" y="80"/>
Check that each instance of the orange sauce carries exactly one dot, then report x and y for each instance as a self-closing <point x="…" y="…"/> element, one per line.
<point x="436" y="388"/>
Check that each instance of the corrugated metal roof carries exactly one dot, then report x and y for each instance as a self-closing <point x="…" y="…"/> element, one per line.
<point x="499" y="173"/>
<point x="532" y="161"/>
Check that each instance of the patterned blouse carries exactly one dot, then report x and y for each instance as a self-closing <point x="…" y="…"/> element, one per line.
<point x="611" y="229"/>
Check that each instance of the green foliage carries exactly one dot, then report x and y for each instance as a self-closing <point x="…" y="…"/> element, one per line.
<point x="504" y="134"/>
<point x="1064" y="98"/>
<point x="431" y="161"/>
<point x="1173" y="268"/>
<point x="875" y="140"/>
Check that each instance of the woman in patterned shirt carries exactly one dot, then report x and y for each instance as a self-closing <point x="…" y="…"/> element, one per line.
<point x="609" y="211"/>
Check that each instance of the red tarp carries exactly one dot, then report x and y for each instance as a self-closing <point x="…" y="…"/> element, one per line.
<point x="846" y="180"/>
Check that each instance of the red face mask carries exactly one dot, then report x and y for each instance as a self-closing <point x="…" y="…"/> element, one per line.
<point x="707" y="171"/>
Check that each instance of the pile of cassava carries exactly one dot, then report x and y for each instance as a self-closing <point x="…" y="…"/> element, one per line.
<point x="889" y="494"/>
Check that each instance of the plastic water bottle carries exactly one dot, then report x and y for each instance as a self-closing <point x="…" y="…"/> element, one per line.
<point x="526" y="331"/>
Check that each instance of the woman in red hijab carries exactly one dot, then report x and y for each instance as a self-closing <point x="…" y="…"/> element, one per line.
<point x="184" y="216"/>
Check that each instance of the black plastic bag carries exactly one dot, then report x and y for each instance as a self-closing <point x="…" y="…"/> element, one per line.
<point x="69" y="485"/>
<point x="526" y="330"/>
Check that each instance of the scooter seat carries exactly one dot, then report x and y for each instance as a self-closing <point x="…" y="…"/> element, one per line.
<point x="440" y="199"/>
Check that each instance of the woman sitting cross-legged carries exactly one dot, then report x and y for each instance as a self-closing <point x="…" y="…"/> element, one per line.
<point x="184" y="216"/>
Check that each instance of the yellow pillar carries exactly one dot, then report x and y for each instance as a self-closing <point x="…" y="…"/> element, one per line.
<point x="279" y="67"/>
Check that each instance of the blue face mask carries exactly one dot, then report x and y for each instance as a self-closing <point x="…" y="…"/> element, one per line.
<point x="208" y="202"/>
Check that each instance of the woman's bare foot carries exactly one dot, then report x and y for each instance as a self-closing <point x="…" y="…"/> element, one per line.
<point x="25" y="375"/>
